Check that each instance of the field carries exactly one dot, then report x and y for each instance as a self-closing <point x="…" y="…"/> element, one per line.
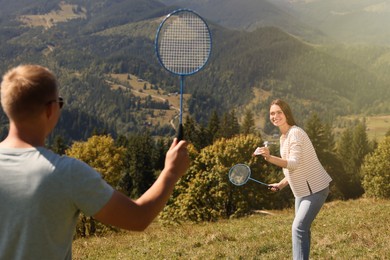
<point x="377" y="126"/>
<point x="66" y="12"/>
<point x="357" y="229"/>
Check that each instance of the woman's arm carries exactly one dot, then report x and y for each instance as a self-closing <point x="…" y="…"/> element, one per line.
<point x="275" y="160"/>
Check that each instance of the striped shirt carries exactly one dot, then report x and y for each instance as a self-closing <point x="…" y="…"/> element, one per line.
<point x="304" y="171"/>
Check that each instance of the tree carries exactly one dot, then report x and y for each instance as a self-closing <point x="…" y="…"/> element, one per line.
<point x="190" y="131"/>
<point x="248" y="124"/>
<point x="316" y="131"/>
<point x="140" y="161"/>
<point x="323" y="141"/>
<point x="101" y="153"/>
<point x="213" y="126"/>
<point x="352" y="147"/>
<point x="59" y="146"/>
<point x="376" y="171"/>
<point x="229" y="126"/>
<point x="196" y="134"/>
<point x="361" y="146"/>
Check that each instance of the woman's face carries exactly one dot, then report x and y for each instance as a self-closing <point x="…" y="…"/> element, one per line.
<point x="277" y="116"/>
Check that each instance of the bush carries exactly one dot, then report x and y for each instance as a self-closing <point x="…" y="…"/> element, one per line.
<point x="205" y="192"/>
<point x="101" y="153"/>
<point x="376" y="171"/>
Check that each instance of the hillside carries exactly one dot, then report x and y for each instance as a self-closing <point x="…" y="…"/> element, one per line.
<point x="247" y="69"/>
<point x="319" y="21"/>
<point x="250" y="15"/>
<point x="355" y="229"/>
<point x="357" y="21"/>
<point x="312" y="78"/>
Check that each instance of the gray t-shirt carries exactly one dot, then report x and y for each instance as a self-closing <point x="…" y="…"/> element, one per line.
<point x="41" y="196"/>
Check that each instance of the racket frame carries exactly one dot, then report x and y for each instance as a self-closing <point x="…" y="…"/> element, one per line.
<point x="156" y="43"/>
<point x="248" y="178"/>
<point x="182" y="75"/>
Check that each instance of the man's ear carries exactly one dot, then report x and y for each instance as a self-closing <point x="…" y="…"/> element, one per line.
<point x="49" y="110"/>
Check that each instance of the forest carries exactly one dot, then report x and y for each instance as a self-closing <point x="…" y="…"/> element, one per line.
<point x="331" y="80"/>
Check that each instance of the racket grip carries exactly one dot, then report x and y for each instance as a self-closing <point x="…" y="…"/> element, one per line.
<point x="180" y="133"/>
<point x="270" y="187"/>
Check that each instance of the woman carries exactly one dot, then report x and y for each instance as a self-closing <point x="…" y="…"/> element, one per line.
<point x="303" y="171"/>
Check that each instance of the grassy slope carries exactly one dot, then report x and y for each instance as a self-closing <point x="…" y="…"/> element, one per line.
<point x="343" y="230"/>
<point x="48" y="20"/>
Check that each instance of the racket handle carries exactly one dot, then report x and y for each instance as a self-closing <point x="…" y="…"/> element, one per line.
<point x="270" y="187"/>
<point x="180" y="133"/>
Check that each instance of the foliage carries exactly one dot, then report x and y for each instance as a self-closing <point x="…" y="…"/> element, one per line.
<point x="205" y="193"/>
<point x="143" y="159"/>
<point x="229" y="125"/>
<point x="351" y="148"/>
<point x="101" y="153"/>
<point x="320" y="135"/>
<point x="322" y="138"/>
<point x="117" y="37"/>
<point x="248" y="124"/>
<point x="376" y="171"/>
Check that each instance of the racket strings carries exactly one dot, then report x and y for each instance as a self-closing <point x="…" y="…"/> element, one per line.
<point x="185" y="43"/>
<point x="239" y="175"/>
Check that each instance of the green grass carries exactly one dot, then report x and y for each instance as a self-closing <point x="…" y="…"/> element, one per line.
<point x="357" y="229"/>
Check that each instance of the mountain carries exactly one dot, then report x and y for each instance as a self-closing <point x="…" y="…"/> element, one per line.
<point x="85" y="42"/>
<point x="276" y="64"/>
<point x="348" y="21"/>
<point x="250" y="15"/>
<point x="320" y="21"/>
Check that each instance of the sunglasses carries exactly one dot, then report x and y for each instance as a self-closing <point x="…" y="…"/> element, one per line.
<point x="60" y="102"/>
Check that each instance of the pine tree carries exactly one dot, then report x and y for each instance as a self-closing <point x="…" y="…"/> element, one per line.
<point x="229" y="125"/>
<point x="248" y="124"/>
<point x="141" y="169"/>
<point x="213" y="126"/>
<point x="323" y="141"/>
<point x="315" y="129"/>
<point x="352" y="147"/>
<point x="361" y="146"/>
<point x="59" y="145"/>
<point x="190" y="131"/>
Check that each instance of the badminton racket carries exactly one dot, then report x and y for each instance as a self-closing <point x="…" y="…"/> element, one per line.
<point x="183" y="47"/>
<point x="240" y="173"/>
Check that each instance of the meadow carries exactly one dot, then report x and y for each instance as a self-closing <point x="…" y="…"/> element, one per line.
<point x="66" y="13"/>
<point x="355" y="229"/>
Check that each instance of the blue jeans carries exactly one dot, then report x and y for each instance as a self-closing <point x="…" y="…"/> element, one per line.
<point x="306" y="209"/>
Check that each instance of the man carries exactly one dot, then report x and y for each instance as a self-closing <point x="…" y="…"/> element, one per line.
<point x="42" y="193"/>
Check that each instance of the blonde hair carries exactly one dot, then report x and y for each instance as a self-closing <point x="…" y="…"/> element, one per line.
<point x="26" y="89"/>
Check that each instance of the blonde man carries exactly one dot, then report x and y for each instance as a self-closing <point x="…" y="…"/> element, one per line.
<point x="42" y="193"/>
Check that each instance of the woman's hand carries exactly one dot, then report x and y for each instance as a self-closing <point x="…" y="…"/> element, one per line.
<point x="274" y="187"/>
<point x="263" y="151"/>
